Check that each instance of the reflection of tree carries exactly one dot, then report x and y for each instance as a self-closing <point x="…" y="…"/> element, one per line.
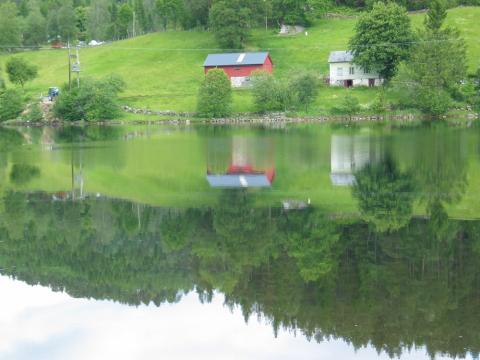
<point x="311" y="240"/>
<point x="440" y="166"/>
<point x="385" y="195"/>
<point x="8" y="140"/>
<point x="300" y="270"/>
<point x="23" y="173"/>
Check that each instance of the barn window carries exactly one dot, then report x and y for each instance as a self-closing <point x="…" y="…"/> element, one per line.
<point x="237" y="67"/>
<point x="352" y="70"/>
<point x="339" y="71"/>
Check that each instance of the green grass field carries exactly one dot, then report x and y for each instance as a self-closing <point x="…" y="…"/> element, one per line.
<point x="163" y="70"/>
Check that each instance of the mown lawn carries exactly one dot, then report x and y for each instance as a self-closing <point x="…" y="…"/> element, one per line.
<point x="163" y="71"/>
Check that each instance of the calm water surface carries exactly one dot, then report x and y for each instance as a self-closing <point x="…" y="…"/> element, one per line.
<point x="303" y="242"/>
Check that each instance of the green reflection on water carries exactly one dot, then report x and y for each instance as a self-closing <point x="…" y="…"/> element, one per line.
<point x="386" y="254"/>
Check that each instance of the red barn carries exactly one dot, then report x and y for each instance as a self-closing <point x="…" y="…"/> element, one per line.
<point x="239" y="66"/>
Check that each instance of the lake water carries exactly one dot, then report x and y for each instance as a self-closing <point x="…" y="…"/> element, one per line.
<point x="298" y="242"/>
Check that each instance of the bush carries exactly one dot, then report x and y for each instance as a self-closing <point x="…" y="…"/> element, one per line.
<point x="379" y="105"/>
<point x="271" y="94"/>
<point x="349" y="106"/>
<point x="11" y="104"/>
<point x="215" y="95"/>
<point x="305" y="89"/>
<point x="93" y="100"/>
<point x="34" y="113"/>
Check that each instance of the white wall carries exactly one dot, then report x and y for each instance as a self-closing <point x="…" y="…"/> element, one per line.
<point x="339" y="72"/>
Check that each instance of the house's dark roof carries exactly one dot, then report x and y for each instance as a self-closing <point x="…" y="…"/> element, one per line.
<point x="238" y="181"/>
<point x="340" y="56"/>
<point x="232" y="59"/>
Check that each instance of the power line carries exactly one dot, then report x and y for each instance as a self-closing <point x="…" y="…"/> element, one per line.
<point x="329" y="46"/>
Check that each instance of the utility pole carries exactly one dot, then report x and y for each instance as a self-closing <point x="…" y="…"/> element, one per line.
<point x="69" y="67"/>
<point x="134" y="33"/>
<point x="266" y="15"/>
<point x="78" y="64"/>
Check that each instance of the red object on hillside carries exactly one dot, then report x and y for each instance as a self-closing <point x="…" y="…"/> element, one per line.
<point x="239" y="66"/>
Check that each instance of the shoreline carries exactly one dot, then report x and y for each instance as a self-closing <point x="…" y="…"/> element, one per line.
<point x="255" y="119"/>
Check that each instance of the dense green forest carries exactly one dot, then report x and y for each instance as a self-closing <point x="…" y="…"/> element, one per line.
<point x="34" y="22"/>
<point x="323" y="277"/>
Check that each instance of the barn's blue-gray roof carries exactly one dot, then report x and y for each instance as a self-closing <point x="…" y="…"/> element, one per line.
<point x="340" y="56"/>
<point x="236" y="59"/>
<point x="238" y="181"/>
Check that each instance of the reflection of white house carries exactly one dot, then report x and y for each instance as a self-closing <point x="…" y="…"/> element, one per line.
<point x="349" y="154"/>
<point x="343" y="72"/>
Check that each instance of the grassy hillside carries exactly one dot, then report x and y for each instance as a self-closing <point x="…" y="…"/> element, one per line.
<point x="164" y="70"/>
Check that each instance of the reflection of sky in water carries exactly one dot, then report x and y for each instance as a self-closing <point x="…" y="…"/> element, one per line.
<point x="36" y="323"/>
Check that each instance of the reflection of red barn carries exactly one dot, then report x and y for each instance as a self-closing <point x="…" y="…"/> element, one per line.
<point x="239" y="66"/>
<point x="249" y="163"/>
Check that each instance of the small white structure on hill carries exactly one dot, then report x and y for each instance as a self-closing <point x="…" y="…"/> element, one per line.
<point x="343" y="72"/>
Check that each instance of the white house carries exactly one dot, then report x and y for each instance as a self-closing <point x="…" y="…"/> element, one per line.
<point x="343" y="72"/>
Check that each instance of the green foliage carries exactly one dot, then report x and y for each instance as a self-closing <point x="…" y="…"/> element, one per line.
<point x="349" y="106"/>
<point x="436" y="15"/>
<point x="67" y="21"/>
<point x="385" y="195"/>
<point x="94" y="100"/>
<point x="35" y="31"/>
<point x="436" y="67"/>
<point x="305" y="89"/>
<point x="125" y="18"/>
<point x="81" y="22"/>
<point x="34" y="113"/>
<point x="21" y="174"/>
<point x="195" y="14"/>
<point x="383" y="38"/>
<point x="298" y="12"/>
<point x="11" y="104"/>
<point x="229" y="21"/>
<point x="380" y="104"/>
<point x="19" y="71"/>
<point x="169" y="10"/>
<point x="272" y="94"/>
<point x="215" y="95"/>
<point x="10" y="26"/>
<point x="97" y="27"/>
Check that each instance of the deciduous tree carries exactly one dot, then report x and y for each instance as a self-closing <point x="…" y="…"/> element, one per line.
<point x="383" y="38"/>
<point x="215" y="96"/>
<point x="19" y="71"/>
<point x="229" y="20"/>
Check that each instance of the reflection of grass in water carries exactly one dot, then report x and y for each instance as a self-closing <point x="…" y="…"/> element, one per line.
<point x="168" y="167"/>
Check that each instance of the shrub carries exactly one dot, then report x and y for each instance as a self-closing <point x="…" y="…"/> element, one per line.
<point x="271" y="94"/>
<point x="305" y="89"/>
<point x="379" y="105"/>
<point x="93" y="100"/>
<point x="349" y="106"/>
<point x="34" y="113"/>
<point x="215" y="95"/>
<point x="11" y="104"/>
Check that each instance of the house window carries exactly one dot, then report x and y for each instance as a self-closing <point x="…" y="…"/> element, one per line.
<point x="351" y="71"/>
<point x="339" y="71"/>
<point x="366" y="71"/>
